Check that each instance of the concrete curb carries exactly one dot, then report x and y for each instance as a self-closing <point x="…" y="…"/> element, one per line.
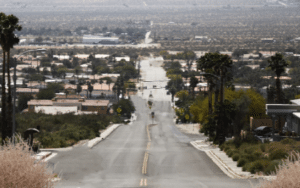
<point x="103" y="135"/>
<point x="57" y="149"/>
<point x="42" y="155"/>
<point x="225" y="168"/>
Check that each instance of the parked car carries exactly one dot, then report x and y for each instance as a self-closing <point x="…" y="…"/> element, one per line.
<point x="264" y="131"/>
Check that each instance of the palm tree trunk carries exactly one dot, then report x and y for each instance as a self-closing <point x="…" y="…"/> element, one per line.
<point x="9" y="100"/>
<point x="210" y="88"/>
<point x="216" y="97"/>
<point x="3" y="100"/>
<point x="278" y="90"/>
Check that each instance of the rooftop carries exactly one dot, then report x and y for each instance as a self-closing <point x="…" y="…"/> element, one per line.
<point x="95" y="103"/>
<point x="40" y="102"/>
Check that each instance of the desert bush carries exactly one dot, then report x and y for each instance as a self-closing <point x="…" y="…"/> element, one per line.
<point x="242" y="162"/>
<point x="257" y="154"/>
<point x="287" y="174"/>
<point x="278" y="154"/>
<point x="249" y="157"/>
<point x="229" y="152"/>
<point x="271" y="169"/>
<point x="249" y="150"/>
<point x="58" y="130"/>
<point x="246" y="167"/>
<point x="258" y="166"/>
<point x="237" y="142"/>
<point x="288" y="141"/>
<point x="226" y="148"/>
<point x="222" y="147"/>
<point x="19" y="169"/>
<point x="236" y="157"/>
<point x="263" y="147"/>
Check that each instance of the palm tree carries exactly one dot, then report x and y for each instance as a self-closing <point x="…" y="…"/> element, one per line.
<point x="90" y="88"/>
<point x="189" y="56"/>
<point x="8" y="25"/>
<point x="193" y="84"/>
<point x="216" y="65"/>
<point x="101" y="82"/>
<point x="108" y="82"/>
<point x="224" y="62"/>
<point x="206" y="64"/>
<point x="278" y="64"/>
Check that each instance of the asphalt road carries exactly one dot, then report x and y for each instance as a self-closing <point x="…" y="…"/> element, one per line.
<point x="143" y="155"/>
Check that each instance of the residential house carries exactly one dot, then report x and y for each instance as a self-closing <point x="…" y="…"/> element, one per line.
<point x="26" y="91"/>
<point x="69" y="105"/>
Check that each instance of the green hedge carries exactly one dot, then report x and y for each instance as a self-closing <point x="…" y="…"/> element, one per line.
<point x="63" y="130"/>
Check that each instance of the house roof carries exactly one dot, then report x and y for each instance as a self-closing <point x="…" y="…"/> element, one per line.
<point x="95" y="103"/>
<point x="281" y="77"/>
<point x="70" y="86"/>
<point x="66" y="101"/>
<point x="69" y="97"/>
<point x="82" y="56"/>
<point x="296" y="101"/>
<point x="98" y="86"/>
<point x="40" y="102"/>
<point x="27" y="90"/>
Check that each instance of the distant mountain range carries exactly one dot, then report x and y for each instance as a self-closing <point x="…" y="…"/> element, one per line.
<point x="135" y="2"/>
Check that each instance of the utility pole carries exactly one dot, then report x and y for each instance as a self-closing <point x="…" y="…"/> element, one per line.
<point x="14" y="95"/>
<point x="14" y="90"/>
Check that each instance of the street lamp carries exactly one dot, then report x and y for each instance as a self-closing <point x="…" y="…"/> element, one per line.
<point x="15" y="80"/>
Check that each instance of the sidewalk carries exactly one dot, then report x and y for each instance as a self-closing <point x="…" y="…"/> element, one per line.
<point x="225" y="163"/>
<point x="42" y="155"/>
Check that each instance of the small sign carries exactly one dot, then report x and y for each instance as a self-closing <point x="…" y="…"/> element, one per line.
<point x="187" y="117"/>
<point x="119" y="110"/>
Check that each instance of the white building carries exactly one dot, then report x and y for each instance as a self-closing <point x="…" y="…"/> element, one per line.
<point x="92" y="39"/>
<point x="126" y="58"/>
<point x="101" y="56"/>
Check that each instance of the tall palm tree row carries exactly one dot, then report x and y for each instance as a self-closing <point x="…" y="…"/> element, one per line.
<point x="216" y="66"/>
<point x="8" y="25"/>
<point x="277" y="63"/>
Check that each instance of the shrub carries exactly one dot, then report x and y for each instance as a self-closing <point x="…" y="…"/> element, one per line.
<point x="229" y="142"/>
<point x="241" y="162"/>
<point x="287" y="174"/>
<point x="236" y="157"/>
<point x="229" y="152"/>
<point x="19" y="169"/>
<point x="278" y="154"/>
<point x="226" y="148"/>
<point x="237" y="142"/>
<point x="288" y="141"/>
<point x="271" y="169"/>
<point x="246" y="167"/>
<point x="249" y="150"/>
<point x="259" y="165"/>
<point x="263" y="147"/>
<point x="250" y="157"/>
<point x="222" y="147"/>
<point x="257" y="154"/>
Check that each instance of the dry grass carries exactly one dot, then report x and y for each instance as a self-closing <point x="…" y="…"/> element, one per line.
<point x="18" y="168"/>
<point x="287" y="174"/>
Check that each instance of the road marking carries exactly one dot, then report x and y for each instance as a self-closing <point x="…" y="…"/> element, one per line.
<point x="148" y="145"/>
<point x="141" y="182"/>
<point x="148" y="133"/>
<point x="144" y="168"/>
